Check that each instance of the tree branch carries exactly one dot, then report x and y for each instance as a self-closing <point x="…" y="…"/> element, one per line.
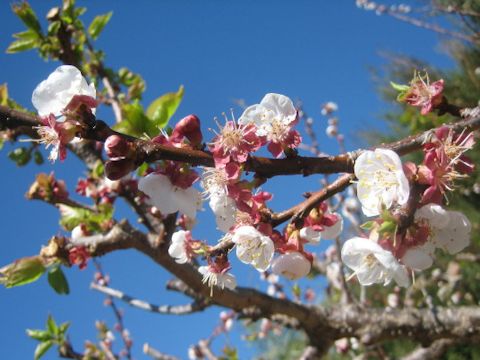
<point x="141" y="304"/>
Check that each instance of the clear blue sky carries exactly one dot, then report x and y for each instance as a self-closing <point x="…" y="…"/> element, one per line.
<point x="311" y="50"/>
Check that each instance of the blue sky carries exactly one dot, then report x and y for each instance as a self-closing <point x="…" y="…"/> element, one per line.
<point x="315" y="51"/>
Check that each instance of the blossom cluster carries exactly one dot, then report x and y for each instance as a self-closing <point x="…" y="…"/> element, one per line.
<point x="397" y="242"/>
<point x="384" y="190"/>
<point x="63" y="101"/>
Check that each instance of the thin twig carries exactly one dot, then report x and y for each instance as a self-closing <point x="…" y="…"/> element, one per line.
<point x="141" y="304"/>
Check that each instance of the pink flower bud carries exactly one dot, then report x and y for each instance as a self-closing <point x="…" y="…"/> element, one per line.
<point x="188" y="127"/>
<point x="116" y="146"/>
<point x="115" y="169"/>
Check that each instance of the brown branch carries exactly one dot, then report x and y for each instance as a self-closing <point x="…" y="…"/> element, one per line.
<point x="299" y="211"/>
<point x="423" y="326"/>
<point x="432" y="352"/>
<point x="265" y="167"/>
<point x="323" y="326"/>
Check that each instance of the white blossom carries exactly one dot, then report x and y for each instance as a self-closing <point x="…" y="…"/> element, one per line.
<point x="449" y="230"/>
<point x="456" y="235"/>
<point x="292" y="265"/>
<point x="381" y="181"/>
<point x="434" y="214"/>
<point x="273" y="117"/>
<point x="253" y="247"/>
<point x="169" y="198"/>
<point x="419" y="257"/>
<point x="225" y="210"/>
<point x="52" y="95"/>
<point x="214" y="181"/>
<point x="309" y="234"/>
<point x="222" y="280"/>
<point x="177" y="248"/>
<point x="373" y="264"/>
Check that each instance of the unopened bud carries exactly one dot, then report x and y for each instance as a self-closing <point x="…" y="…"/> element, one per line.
<point x="331" y="130"/>
<point x="118" y="168"/>
<point x="116" y="146"/>
<point x="188" y="127"/>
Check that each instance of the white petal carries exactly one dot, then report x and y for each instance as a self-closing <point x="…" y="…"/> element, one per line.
<point x="456" y="236"/>
<point x="436" y="215"/>
<point x="188" y="201"/>
<point x="161" y="192"/>
<point x="310" y="235"/>
<point x="53" y="94"/>
<point x="225" y="210"/>
<point x="280" y="105"/>
<point x="331" y="232"/>
<point x="292" y="265"/>
<point x="417" y="258"/>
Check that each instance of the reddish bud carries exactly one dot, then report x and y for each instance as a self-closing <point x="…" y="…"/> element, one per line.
<point x="116" y="146"/>
<point x="115" y="169"/>
<point x="188" y="127"/>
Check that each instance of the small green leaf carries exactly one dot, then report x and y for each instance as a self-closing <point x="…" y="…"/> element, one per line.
<point x="94" y="221"/>
<point x="42" y="348"/>
<point x="142" y="169"/>
<point x="399" y="87"/>
<point x="58" y="281"/>
<point x="38" y="157"/>
<point x="387" y="227"/>
<point x="29" y="34"/>
<point x="98" y="24"/>
<point x="98" y="170"/>
<point x="162" y="109"/>
<point x="22" y="45"/>
<point x="135" y="122"/>
<point x="4" y="95"/>
<point x="52" y="326"/>
<point x="21" y="156"/>
<point x="62" y="329"/>
<point x="54" y="27"/>
<point x="28" y="16"/>
<point x="368" y="225"/>
<point x="296" y="290"/>
<point x="40" y="335"/>
<point x="22" y="272"/>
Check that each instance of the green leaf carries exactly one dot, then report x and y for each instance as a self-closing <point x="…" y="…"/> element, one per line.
<point x="22" y="271"/>
<point x="58" y="281"/>
<point x="38" y="157"/>
<point x="94" y="221"/>
<point x="98" y="170"/>
<point x="387" y="227"/>
<point x="142" y="169"/>
<point x="296" y="290"/>
<point x="98" y="24"/>
<point x="4" y="95"/>
<point x="368" y="225"/>
<point x="62" y="329"/>
<point x="27" y="15"/>
<point x="29" y="34"/>
<point x="52" y="326"/>
<point x="40" y="335"/>
<point x="22" y="45"/>
<point x="54" y="27"/>
<point x="135" y="122"/>
<point x="162" y="109"/>
<point x="399" y="87"/>
<point x="42" y="348"/>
